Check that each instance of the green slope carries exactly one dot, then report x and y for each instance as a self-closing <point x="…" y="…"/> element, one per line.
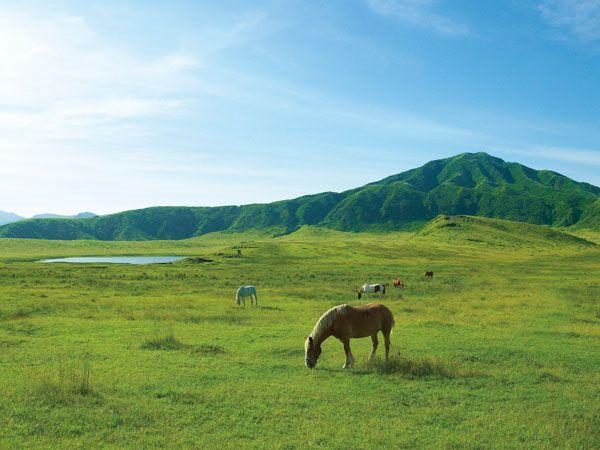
<point x="465" y="230"/>
<point x="470" y="183"/>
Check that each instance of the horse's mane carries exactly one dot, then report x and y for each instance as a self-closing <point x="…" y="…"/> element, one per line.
<point x="326" y="320"/>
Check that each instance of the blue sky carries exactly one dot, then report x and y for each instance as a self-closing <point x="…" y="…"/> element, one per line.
<point x="120" y="105"/>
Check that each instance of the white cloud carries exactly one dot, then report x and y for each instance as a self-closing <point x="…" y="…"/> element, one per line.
<point x="419" y="13"/>
<point x="59" y="79"/>
<point x="570" y="155"/>
<point x="580" y="18"/>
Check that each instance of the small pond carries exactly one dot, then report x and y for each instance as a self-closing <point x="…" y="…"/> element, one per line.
<point x="115" y="259"/>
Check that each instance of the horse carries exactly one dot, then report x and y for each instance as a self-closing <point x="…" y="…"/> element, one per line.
<point x="371" y="289"/>
<point x="398" y="283"/>
<point x="345" y="322"/>
<point x="246" y="291"/>
<point x="429" y="274"/>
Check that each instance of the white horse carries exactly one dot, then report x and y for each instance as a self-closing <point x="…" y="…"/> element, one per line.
<point x="372" y="289"/>
<point x="246" y="291"/>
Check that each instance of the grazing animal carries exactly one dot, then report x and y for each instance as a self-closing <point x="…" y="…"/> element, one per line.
<point x="398" y="283"/>
<point x="345" y="322"/>
<point x="371" y="289"/>
<point x="246" y="291"/>
<point x="429" y="274"/>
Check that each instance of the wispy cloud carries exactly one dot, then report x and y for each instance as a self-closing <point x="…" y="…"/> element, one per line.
<point x="580" y="18"/>
<point x="61" y="77"/>
<point x="570" y="155"/>
<point x="419" y="13"/>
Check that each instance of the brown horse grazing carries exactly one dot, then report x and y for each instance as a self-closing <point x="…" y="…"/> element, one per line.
<point x="345" y="322"/>
<point x="398" y="283"/>
<point x="429" y="274"/>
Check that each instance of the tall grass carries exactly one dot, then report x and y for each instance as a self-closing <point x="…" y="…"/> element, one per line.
<point x="411" y="366"/>
<point x="166" y="341"/>
<point x="67" y="385"/>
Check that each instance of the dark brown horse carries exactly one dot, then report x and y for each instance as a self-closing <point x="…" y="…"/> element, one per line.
<point x="429" y="274"/>
<point x="345" y="322"/>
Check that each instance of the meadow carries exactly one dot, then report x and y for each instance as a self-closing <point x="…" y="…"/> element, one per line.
<point x="499" y="349"/>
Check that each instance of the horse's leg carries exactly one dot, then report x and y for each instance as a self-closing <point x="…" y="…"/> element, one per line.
<point x="375" y="344"/>
<point x="349" y="357"/>
<point x="386" y="341"/>
<point x="256" y="299"/>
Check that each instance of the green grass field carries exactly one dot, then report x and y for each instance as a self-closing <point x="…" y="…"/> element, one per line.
<point x="499" y="349"/>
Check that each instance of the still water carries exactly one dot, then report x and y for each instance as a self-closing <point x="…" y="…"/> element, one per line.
<point x="115" y="259"/>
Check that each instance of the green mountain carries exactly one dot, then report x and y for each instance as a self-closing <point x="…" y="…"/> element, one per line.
<point x="475" y="184"/>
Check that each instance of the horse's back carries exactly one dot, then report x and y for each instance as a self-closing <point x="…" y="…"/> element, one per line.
<point x="372" y="288"/>
<point x="385" y="315"/>
<point x="246" y="290"/>
<point x="369" y="319"/>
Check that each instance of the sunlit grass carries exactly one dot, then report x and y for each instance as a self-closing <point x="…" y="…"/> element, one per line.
<point x="498" y="349"/>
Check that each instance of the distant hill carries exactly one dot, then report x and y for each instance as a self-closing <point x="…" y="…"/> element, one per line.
<point x="475" y="184"/>
<point x="8" y="217"/>
<point x="83" y="215"/>
<point x="496" y="233"/>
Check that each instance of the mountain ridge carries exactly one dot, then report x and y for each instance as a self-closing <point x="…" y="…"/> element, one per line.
<point x="8" y="217"/>
<point x="81" y="215"/>
<point x="475" y="184"/>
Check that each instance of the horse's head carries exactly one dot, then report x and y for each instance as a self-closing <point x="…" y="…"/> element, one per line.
<point x="312" y="352"/>
<point x="237" y="300"/>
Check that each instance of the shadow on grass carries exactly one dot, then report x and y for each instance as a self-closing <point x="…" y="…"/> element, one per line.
<point x="168" y="341"/>
<point x="221" y="319"/>
<point x="270" y="308"/>
<point x="411" y="366"/>
<point x="24" y="313"/>
<point x="209" y="349"/>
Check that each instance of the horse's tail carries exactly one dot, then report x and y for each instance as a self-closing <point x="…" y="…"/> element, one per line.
<point x="387" y="321"/>
<point x="391" y="318"/>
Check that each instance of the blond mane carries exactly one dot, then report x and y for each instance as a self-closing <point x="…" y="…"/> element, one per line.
<point x="326" y="320"/>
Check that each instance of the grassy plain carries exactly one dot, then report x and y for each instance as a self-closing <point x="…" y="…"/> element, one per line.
<point x="500" y="349"/>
